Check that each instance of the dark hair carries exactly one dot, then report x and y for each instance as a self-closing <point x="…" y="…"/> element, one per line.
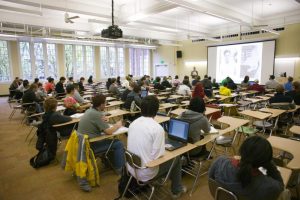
<point x="197" y="105"/>
<point x="185" y="82"/>
<point x="198" y="78"/>
<point x="205" y="76"/>
<point x="136" y="88"/>
<point x="186" y="77"/>
<point x="71" y="78"/>
<point x="33" y="86"/>
<point x="209" y="78"/>
<point x="290" y="79"/>
<point x="149" y="106"/>
<point x="176" y="77"/>
<point x="113" y="80"/>
<point x="225" y="84"/>
<point x="199" y="91"/>
<point x="246" y="79"/>
<point x="255" y="152"/>
<point x="70" y="88"/>
<point x="76" y="85"/>
<point x="272" y="77"/>
<point x="25" y="83"/>
<point x="157" y="79"/>
<point x="296" y="85"/>
<point x="82" y="78"/>
<point x="98" y="100"/>
<point x="50" y="79"/>
<point x="39" y="84"/>
<point x="62" y="78"/>
<point x="36" y="80"/>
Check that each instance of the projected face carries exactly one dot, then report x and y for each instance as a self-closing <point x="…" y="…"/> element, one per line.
<point x="227" y="56"/>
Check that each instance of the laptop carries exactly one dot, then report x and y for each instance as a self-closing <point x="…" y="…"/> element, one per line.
<point x="178" y="134"/>
<point x="144" y="93"/>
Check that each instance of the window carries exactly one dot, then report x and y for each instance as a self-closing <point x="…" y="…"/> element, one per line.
<point x="4" y="62"/>
<point x="139" y="61"/>
<point x="79" y="61"/>
<point x="112" y="61"/>
<point x="38" y="60"/>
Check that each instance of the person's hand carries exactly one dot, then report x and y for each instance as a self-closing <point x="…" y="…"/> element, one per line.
<point x="119" y="124"/>
<point x="105" y="119"/>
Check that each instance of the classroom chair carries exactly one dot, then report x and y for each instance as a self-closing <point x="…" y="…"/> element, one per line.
<point x="220" y="193"/>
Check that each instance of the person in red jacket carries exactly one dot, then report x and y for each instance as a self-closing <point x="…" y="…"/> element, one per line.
<point x="256" y="87"/>
<point x="199" y="92"/>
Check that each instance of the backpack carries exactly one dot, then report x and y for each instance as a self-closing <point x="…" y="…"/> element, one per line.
<point x="134" y="107"/>
<point x="43" y="158"/>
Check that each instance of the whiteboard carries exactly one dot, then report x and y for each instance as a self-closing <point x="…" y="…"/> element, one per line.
<point x="282" y="66"/>
<point x="161" y="70"/>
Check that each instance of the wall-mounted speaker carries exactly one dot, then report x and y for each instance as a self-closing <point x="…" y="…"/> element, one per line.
<point x="179" y="54"/>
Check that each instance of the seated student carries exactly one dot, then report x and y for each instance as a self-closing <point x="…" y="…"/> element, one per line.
<point x="244" y="177"/>
<point x="224" y="90"/>
<point x="255" y="86"/>
<point x="158" y="85"/>
<point x="49" y="86"/>
<point x="281" y="101"/>
<point x="90" y="80"/>
<point x="118" y="81"/>
<point x="80" y="84"/>
<point x="108" y="83"/>
<point x="36" y="81"/>
<point x="206" y="83"/>
<point x="127" y="91"/>
<point x="13" y="87"/>
<point x="94" y="123"/>
<point x="215" y="84"/>
<point x="196" y="80"/>
<point x="184" y="89"/>
<point x="188" y="79"/>
<point x="72" y="106"/>
<point x="146" y="139"/>
<point x="113" y="88"/>
<point x="41" y="93"/>
<point x="166" y="83"/>
<point x="198" y="122"/>
<point x="230" y="84"/>
<point x="126" y="82"/>
<point x="70" y="81"/>
<point x="59" y="88"/>
<point x="134" y="95"/>
<point x="295" y="93"/>
<point x="54" y="117"/>
<point x="21" y="89"/>
<point x="30" y="97"/>
<point x="271" y="83"/>
<point x="288" y="86"/>
<point x="199" y="92"/>
<point x="77" y="96"/>
<point x="245" y="83"/>
<point x="176" y="81"/>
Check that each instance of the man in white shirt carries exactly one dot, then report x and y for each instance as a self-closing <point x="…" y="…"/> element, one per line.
<point x="184" y="89"/>
<point x="146" y="139"/>
<point x="272" y="83"/>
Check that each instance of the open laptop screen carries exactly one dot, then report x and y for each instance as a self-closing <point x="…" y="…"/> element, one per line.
<point x="178" y="129"/>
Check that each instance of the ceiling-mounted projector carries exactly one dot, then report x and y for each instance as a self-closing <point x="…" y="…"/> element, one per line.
<point x="113" y="31"/>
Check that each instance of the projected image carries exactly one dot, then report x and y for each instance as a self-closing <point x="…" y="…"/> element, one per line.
<point x="237" y="61"/>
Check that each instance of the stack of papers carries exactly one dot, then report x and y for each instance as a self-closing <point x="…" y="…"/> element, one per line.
<point x="212" y="131"/>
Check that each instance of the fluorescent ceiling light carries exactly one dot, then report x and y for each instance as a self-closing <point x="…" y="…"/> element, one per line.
<point x="288" y="59"/>
<point x="77" y="41"/>
<point x="10" y="36"/>
<point x="200" y="62"/>
<point x="143" y="46"/>
<point x="270" y="31"/>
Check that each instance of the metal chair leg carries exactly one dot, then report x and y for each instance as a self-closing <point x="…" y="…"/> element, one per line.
<point x="196" y="179"/>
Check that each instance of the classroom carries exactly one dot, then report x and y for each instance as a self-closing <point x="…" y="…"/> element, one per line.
<point x="150" y="99"/>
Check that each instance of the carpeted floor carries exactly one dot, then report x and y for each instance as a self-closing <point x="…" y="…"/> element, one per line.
<point x="18" y="180"/>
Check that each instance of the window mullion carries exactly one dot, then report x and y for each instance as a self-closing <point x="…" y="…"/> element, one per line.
<point x="32" y="58"/>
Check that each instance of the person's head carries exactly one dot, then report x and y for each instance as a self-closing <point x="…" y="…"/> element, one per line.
<point x="109" y="80"/>
<point x="113" y="80"/>
<point x="25" y="83"/>
<point x="185" y="82"/>
<point x="50" y="104"/>
<point x="62" y="79"/>
<point x="186" y="77"/>
<point x="50" y="80"/>
<point x="71" y="79"/>
<point x="136" y="88"/>
<point x="132" y="85"/>
<point x="256" y="81"/>
<point x="205" y="76"/>
<point x="296" y="85"/>
<point x="81" y="79"/>
<point x="165" y="78"/>
<point x="198" y="91"/>
<point x="118" y="78"/>
<point x="197" y="105"/>
<point x="255" y="152"/>
<point x="91" y="77"/>
<point x="225" y="84"/>
<point x="214" y="80"/>
<point x="99" y="102"/>
<point x="36" y="80"/>
<point x="33" y="87"/>
<point x="290" y="79"/>
<point x="149" y="106"/>
<point x="176" y="77"/>
<point x="198" y="78"/>
<point x="272" y="77"/>
<point x="40" y="85"/>
<point x="209" y="78"/>
<point x="76" y="86"/>
<point x="280" y="89"/>
<point x="70" y="89"/>
<point x="246" y="79"/>
<point x="157" y="79"/>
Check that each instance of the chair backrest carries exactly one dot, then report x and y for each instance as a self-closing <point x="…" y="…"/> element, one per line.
<point x="220" y="193"/>
<point x="133" y="160"/>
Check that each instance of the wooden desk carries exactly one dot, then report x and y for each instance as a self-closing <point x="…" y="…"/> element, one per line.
<point x="73" y="121"/>
<point x="110" y="98"/>
<point x="161" y="98"/>
<point x="88" y="96"/>
<point x="178" y="111"/>
<point x="105" y="136"/>
<point x="60" y="108"/>
<point x="170" y="155"/>
<point x="117" y="113"/>
<point x="208" y="111"/>
<point x="256" y="114"/>
<point x="167" y="105"/>
<point x="290" y="146"/>
<point x="163" y="93"/>
<point x="114" y="104"/>
<point x="222" y="97"/>
<point x="161" y="119"/>
<point x="275" y="112"/>
<point x="253" y="100"/>
<point x="264" y="98"/>
<point x="270" y="95"/>
<point x="295" y="130"/>
<point x="176" y="96"/>
<point x="285" y="174"/>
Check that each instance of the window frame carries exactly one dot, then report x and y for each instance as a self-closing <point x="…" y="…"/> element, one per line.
<point x="116" y="62"/>
<point x="141" y="53"/>
<point x="9" y="63"/>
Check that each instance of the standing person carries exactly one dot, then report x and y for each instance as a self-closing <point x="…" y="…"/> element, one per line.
<point x="59" y="88"/>
<point x="49" y="86"/>
<point x="90" y="80"/>
<point x="176" y="81"/>
<point x="146" y="139"/>
<point x="80" y="84"/>
<point x="184" y="89"/>
<point x="194" y="73"/>
<point x="288" y="86"/>
<point x="295" y="93"/>
<point x="194" y="115"/>
<point x="245" y="83"/>
<point x="94" y="123"/>
<point x="272" y="83"/>
<point x="252" y="176"/>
